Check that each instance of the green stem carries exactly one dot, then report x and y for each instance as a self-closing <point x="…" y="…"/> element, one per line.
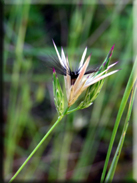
<point x="40" y="143"/>
<point x="73" y="110"/>
<point x="112" y="168"/>
<point x="131" y="81"/>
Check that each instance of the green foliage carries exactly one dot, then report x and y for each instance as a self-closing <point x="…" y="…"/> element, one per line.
<point x="77" y="147"/>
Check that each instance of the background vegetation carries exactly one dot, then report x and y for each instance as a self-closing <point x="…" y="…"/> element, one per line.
<point x="77" y="148"/>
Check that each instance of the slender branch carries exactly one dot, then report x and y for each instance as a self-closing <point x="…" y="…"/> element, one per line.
<point x="73" y="110"/>
<point x="40" y="143"/>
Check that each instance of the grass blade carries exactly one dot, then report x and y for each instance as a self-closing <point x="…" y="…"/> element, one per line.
<point x="120" y="112"/>
<point x="112" y="168"/>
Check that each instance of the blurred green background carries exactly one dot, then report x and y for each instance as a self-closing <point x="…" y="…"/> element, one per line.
<point x="76" y="149"/>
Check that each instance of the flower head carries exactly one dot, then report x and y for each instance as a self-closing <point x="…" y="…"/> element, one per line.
<point x="78" y="81"/>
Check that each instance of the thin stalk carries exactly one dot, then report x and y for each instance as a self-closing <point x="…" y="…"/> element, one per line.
<point x="39" y="144"/>
<point x="73" y="110"/>
<point x="128" y="89"/>
<point x="112" y="168"/>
